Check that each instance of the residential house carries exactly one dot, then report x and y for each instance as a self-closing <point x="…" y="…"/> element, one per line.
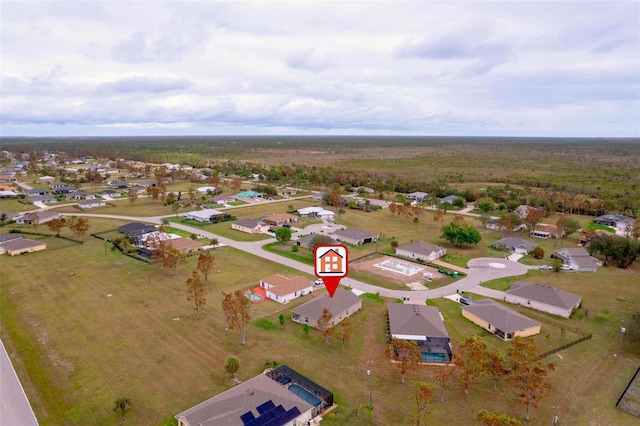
<point x="8" y="178"/>
<point x="421" y="250"/>
<point x="39" y="217"/>
<point x="108" y="193"/>
<point x="17" y="246"/>
<point x="343" y="304"/>
<point x="355" y="236"/>
<point x="222" y="199"/>
<point x="286" y="192"/>
<point x="207" y="215"/>
<point x="281" y="396"/>
<point x="424" y="325"/>
<point x="500" y="320"/>
<point x="8" y="237"/>
<point x="250" y="226"/>
<point x="280" y="219"/>
<point x="305" y="242"/>
<point x="418" y="197"/>
<point x="494" y="224"/>
<point x="515" y="245"/>
<point x="543" y="230"/>
<point x="44" y="199"/>
<point x="136" y="229"/>
<point x="317" y="212"/>
<point x="448" y="199"/>
<point x="185" y="245"/>
<point x="4" y="194"/>
<point x="282" y="289"/>
<point x="46" y="179"/>
<point x="78" y="195"/>
<point x="249" y="194"/>
<point x="35" y="192"/>
<point x="61" y="187"/>
<point x="618" y="221"/>
<point x="204" y="190"/>
<point x="523" y="210"/>
<point x="543" y="298"/>
<point x="577" y="258"/>
<point x="89" y="204"/>
<point x="147" y="183"/>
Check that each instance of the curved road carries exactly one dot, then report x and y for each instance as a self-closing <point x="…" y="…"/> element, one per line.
<point x="480" y="270"/>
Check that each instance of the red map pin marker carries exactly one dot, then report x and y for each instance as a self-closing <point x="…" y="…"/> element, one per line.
<point x="331" y="264"/>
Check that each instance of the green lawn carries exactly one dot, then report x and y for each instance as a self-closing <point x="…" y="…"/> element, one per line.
<point x="88" y="325"/>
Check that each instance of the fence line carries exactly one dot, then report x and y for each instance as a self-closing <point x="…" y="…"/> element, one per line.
<point x="625" y="391"/>
<point x="542" y="318"/>
<point x="563" y="347"/>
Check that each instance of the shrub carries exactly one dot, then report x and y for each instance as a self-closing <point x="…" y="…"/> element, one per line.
<point x="538" y="253"/>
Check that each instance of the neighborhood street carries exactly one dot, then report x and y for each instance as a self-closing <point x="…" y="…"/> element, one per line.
<point x="15" y="409"/>
<point x="480" y="270"/>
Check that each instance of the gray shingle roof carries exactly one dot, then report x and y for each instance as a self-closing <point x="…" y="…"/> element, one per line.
<point x="512" y="243"/>
<point x="247" y="223"/>
<point x="544" y="294"/>
<point x="226" y="408"/>
<point x="418" y="320"/>
<point x="420" y="247"/>
<point x="500" y="316"/>
<point x="341" y="300"/>
<point x="354" y="233"/>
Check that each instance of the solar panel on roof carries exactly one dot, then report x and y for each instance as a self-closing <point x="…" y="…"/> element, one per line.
<point x="267" y="406"/>
<point x="247" y="417"/>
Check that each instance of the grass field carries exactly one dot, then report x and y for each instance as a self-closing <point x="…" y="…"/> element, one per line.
<point x="86" y="325"/>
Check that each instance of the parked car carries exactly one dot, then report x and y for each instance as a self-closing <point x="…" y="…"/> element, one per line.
<point x="545" y="268"/>
<point x="567" y="268"/>
<point x="318" y="282"/>
<point x="466" y="300"/>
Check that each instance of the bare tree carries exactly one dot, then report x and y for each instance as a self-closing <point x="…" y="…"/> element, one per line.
<point x="345" y="331"/>
<point x="407" y="355"/>
<point x="420" y="394"/>
<point x="55" y="225"/>
<point x="206" y="262"/>
<point x="195" y="292"/>
<point x="237" y="308"/>
<point x="470" y="361"/>
<point x="325" y="324"/>
<point x="495" y="366"/>
<point x="78" y="225"/>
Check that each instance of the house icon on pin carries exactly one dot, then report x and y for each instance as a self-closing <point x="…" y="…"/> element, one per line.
<point x="331" y="262"/>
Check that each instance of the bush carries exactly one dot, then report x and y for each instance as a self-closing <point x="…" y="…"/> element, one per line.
<point x="537" y="253"/>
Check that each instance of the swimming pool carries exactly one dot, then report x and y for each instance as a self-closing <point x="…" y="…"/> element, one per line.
<point x="253" y="297"/>
<point x="433" y="357"/>
<point x="305" y="395"/>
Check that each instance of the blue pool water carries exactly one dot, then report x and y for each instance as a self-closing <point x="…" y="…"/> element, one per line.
<point x="433" y="357"/>
<point x="253" y="297"/>
<point x="305" y="395"/>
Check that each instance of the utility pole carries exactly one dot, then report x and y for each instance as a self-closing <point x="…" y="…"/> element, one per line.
<point x="555" y="416"/>
<point x="370" y="374"/>
<point x="622" y="331"/>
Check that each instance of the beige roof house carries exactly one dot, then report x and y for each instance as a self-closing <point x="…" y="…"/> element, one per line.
<point x="21" y="245"/>
<point x="343" y="304"/>
<point x="421" y="250"/>
<point x="500" y="320"/>
<point x="280" y="219"/>
<point x="282" y="289"/>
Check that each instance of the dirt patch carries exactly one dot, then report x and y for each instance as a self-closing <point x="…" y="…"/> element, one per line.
<point x="415" y="282"/>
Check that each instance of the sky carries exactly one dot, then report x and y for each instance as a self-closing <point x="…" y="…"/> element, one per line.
<point x="472" y="68"/>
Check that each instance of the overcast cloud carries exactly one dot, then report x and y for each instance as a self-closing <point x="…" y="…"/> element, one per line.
<point x="541" y="68"/>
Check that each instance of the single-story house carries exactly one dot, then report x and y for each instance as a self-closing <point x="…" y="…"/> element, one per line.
<point x="8" y="178"/>
<point x="250" y="226"/>
<point x="317" y="212"/>
<point x="281" y="396"/>
<point x="35" y="192"/>
<point x="515" y="245"/>
<point x="136" y="229"/>
<point x="207" y="215"/>
<point x="39" y="216"/>
<point x="448" y="199"/>
<point x="203" y="190"/>
<point x="577" y="258"/>
<point x="21" y="245"/>
<point x="61" y="187"/>
<point x="615" y="220"/>
<point x="418" y="196"/>
<point x="355" y="236"/>
<point x="424" y="325"/>
<point x="494" y="224"/>
<point x="47" y="179"/>
<point x="280" y="219"/>
<point x="249" y="194"/>
<point x="91" y="203"/>
<point x="46" y="199"/>
<point x="108" y="193"/>
<point x="305" y="242"/>
<point x="222" y="199"/>
<point x="500" y="320"/>
<point x="78" y="195"/>
<point x="543" y="298"/>
<point x="343" y="304"/>
<point x="282" y="289"/>
<point x="543" y="230"/>
<point x="8" y="237"/>
<point x="523" y="210"/>
<point x="421" y="250"/>
<point x="147" y="183"/>
<point x="185" y="245"/>
<point x="286" y="192"/>
<point x="8" y="194"/>
<point x="187" y="202"/>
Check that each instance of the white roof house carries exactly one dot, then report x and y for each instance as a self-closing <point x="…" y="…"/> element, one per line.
<point x="318" y="212"/>
<point x="206" y="215"/>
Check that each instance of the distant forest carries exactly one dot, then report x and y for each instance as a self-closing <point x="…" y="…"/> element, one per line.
<point x="588" y="175"/>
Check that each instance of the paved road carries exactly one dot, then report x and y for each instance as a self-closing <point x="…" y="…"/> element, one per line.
<point x="15" y="410"/>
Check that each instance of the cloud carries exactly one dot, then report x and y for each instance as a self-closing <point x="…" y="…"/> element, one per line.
<point x="143" y="84"/>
